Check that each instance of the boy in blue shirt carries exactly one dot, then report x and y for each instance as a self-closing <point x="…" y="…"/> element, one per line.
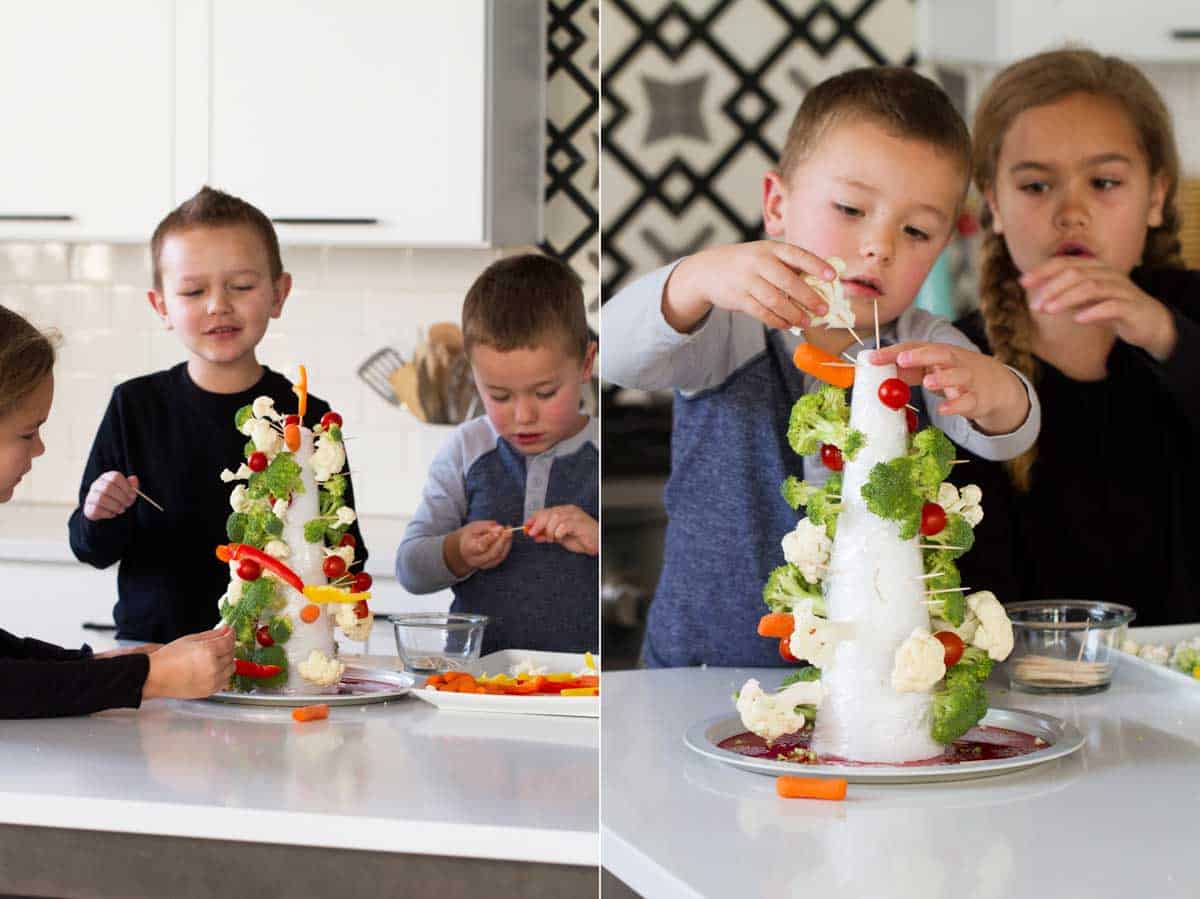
<point x="874" y="171"/>
<point x="532" y="460"/>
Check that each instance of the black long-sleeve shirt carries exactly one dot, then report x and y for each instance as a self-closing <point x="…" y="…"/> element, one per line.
<point x="41" y="680"/>
<point x="1113" y="513"/>
<point x="177" y="438"/>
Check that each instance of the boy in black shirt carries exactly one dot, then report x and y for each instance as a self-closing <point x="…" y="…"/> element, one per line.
<point x="218" y="281"/>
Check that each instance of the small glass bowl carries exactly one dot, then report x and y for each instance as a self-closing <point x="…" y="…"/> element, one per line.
<point x="1065" y="645"/>
<point x="433" y="642"/>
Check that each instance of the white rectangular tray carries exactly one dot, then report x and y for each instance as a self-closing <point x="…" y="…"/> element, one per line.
<point x="1167" y="635"/>
<point x="500" y="663"/>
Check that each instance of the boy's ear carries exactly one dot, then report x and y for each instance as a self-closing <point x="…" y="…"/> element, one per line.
<point x="283" y="287"/>
<point x="159" y="305"/>
<point x="774" y="195"/>
<point x="589" y="361"/>
<point x="989" y="195"/>
<point x="1158" y="196"/>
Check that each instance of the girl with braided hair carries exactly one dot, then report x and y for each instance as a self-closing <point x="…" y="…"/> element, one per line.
<point x="1083" y="290"/>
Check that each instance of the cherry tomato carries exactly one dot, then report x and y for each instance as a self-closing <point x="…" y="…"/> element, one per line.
<point x="911" y="417"/>
<point x="257" y="461"/>
<point x="360" y="609"/>
<point x="832" y="457"/>
<point x="263" y="636"/>
<point x="334" y="567"/>
<point x="249" y="570"/>
<point x="893" y="393"/>
<point x="362" y="583"/>
<point x="347" y="540"/>
<point x="933" y="519"/>
<point x="291" y="420"/>
<point x="330" y="418"/>
<point x="786" y="652"/>
<point x="953" y="644"/>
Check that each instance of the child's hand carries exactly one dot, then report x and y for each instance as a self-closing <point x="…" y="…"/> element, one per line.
<point x="191" y="667"/>
<point x="764" y="279"/>
<point x="568" y="526"/>
<point x="109" y="496"/>
<point x="476" y="545"/>
<point x="975" y="386"/>
<point x="1096" y="293"/>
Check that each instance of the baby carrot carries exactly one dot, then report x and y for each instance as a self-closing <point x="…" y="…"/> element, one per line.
<point x="291" y="437"/>
<point x="776" y="624"/>
<point x="311" y="712"/>
<point x="310" y="613"/>
<point x="816" y="362"/>
<point x="790" y="787"/>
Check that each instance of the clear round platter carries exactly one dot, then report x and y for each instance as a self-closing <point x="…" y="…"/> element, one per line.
<point x="358" y="686"/>
<point x="1061" y="740"/>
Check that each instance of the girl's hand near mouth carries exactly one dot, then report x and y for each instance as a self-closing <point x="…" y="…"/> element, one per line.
<point x="1098" y="294"/>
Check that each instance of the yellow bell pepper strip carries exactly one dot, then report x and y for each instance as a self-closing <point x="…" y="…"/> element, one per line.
<point x="581" y="691"/>
<point x="247" y="668"/>
<point x="323" y="593"/>
<point x="300" y="388"/>
<point x="589" y="661"/>
<point x="242" y="551"/>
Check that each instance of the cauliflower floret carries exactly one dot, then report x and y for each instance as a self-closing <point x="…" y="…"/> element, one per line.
<point x="345" y="515"/>
<point x="235" y="590"/>
<point x="320" y="669"/>
<point x="840" y="314"/>
<point x="264" y="435"/>
<point x="995" y="633"/>
<point x="920" y="663"/>
<point x="264" y="407"/>
<point x="346" y="552"/>
<point x="278" y="549"/>
<point x="808" y="547"/>
<point x="327" y="459"/>
<point x="280" y="509"/>
<point x="527" y="668"/>
<point x="1157" y="654"/>
<point x="238" y="500"/>
<point x="352" y="626"/>
<point x="241" y="474"/>
<point x="813" y="638"/>
<point x="771" y="715"/>
<point x="966" y="503"/>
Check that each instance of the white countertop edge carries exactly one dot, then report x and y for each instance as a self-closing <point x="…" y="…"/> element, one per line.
<point x="639" y="872"/>
<point x="526" y="844"/>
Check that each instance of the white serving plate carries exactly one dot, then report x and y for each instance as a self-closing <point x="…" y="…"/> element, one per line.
<point x="358" y="687"/>
<point x="501" y="663"/>
<point x="1062" y="739"/>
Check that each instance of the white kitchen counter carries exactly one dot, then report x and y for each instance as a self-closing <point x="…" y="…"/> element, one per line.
<point x="398" y="777"/>
<point x="1117" y="818"/>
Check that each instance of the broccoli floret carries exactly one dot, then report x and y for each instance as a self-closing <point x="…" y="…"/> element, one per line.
<point x="801" y="675"/>
<point x="314" y="530"/>
<point x="938" y="562"/>
<point x="243" y="616"/>
<point x="891" y="493"/>
<point x="280" y="628"/>
<point x="796" y="493"/>
<point x="958" y="705"/>
<point x="786" y="586"/>
<point x="271" y="655"/>
<point x="1186" y="659"/>
<point x="825" y="504"/>
<point x="808" y="711"/>
<point x="932" y="452"/>
<point x="242" y="415"/>
<point x="331" y="493"/>
<point x="823" y="417"/>
<point x="282" y="476"/>
<point x="975" y="664"/>
<point x="235" y="527"/>
<point x="957" y="533"/>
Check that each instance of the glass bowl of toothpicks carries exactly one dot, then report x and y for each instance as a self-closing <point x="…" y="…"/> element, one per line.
<point x="1065" y="645"/>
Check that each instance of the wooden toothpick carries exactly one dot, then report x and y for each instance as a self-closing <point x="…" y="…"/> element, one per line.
<point x="855" y="336"/>
<point x="149" y="500"/>
<point x="940" y="546"/>
<point x="875" y="306"/>
<point x="847" y="356"/>
<point x="947" y="590"/>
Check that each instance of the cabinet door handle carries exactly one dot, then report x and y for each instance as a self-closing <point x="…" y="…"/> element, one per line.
<point x="1185" y="34"/>
<point x="35" y="217"/>
<point x="323" y="220"/>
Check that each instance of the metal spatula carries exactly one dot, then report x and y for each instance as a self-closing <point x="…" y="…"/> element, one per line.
<point x="377" y="371"/>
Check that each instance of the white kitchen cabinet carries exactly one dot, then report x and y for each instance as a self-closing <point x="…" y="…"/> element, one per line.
<point x="87" y="105"/>
<point x="997" y="32"/>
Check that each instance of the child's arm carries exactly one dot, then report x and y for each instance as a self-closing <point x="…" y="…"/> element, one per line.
<point x="690" y="325"/>
<point x="569" y="526"/>
<point x="101" y="527"/>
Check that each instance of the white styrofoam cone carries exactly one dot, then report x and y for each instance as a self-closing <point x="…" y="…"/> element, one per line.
<point x="306" y="560"/>
<point x="874" y="583"/>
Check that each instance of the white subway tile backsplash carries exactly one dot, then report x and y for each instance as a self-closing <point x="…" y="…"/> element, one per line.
<point x="33" y="261"/>
<point x="442" y="271"/>
<point x="368" y="267"/>
<point x="306" y="265"/>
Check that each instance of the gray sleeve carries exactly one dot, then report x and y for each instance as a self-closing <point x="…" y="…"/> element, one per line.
<point x="420" y="566"/>
<point x="641" y="350"/>
<point x="993" y="447"/>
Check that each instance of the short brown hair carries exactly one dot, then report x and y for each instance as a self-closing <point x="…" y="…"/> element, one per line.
<point x="211" y="208"/>
<point x="26" y="357"/>
<point x="899" y="100"/>
<point x="522" y="302"/>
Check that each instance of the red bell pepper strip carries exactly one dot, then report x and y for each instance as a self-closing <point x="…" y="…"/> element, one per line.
<point x="242" y="551"/>
<point x="253" y="669"/>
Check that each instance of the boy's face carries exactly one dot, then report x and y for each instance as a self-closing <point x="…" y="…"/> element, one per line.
<point x="1071" y="179"/>
<point x="20" y="441"/>
<point x="217" y="292"/>
<point x="884" y="204"/>
<point x="532" y="395"/>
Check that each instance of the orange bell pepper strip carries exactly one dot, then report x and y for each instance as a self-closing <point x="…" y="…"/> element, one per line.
<point x="821" y="365"/>
<point x="526" y="687"/>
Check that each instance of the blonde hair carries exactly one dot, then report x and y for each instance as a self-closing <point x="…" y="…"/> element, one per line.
<point x="1038" y="81"/>
<point x="26" y="357"/>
